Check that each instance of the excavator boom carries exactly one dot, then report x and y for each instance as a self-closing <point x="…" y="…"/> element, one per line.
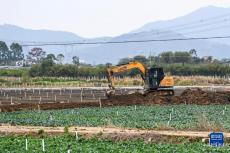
<point x="123" y="68"/>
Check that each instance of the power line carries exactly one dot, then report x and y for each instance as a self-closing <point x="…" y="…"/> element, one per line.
<point x="125" y="41"/>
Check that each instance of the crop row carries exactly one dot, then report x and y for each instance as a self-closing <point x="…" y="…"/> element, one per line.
<point x="174" y="116"/>
<point x="69" y="143"/>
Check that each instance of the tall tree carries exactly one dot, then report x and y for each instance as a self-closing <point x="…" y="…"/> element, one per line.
<point x="60" y="58"/>
<point x="76" y="60"/>
<point x="36" y="55"/>
<point x="17" y="52"/>
<point x="193" y="52"/>
<point x="195" y="58"/>
<point x="47" y="63"/>
<point x="182" y="57"/>
<point x="166" y="57"/>
<point x="4" y="53"/>
<point x="51" y="57"/>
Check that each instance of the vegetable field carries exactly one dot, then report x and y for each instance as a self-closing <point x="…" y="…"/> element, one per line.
<point x="93" y="109"/>
<point x="201" y="117"/>
<point x="68" y="143"/>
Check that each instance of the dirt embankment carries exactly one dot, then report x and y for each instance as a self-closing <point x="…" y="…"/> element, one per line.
<point x="189" y="96"/>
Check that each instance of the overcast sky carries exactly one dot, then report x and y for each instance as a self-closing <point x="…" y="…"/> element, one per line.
<point x="93" y="18"/>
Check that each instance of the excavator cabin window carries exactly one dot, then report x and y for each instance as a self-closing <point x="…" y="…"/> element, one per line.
<point x="153" y="77"/>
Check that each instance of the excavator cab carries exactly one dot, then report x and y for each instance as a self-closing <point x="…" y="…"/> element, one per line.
<point x="153" y="78"/>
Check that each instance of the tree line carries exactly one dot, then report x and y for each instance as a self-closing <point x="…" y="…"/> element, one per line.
<point x="170" y="57"/>
<point x="13" y="55"/>
<point x="174" y="62"/>
<point x="49" y="68"/>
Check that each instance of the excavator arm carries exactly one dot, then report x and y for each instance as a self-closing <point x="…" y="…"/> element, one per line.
<point x="123" y="68"/>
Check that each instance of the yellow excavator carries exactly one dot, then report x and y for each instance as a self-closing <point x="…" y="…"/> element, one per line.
<point x="154" y="78"/>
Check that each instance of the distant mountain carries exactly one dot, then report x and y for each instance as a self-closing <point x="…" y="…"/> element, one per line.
<point x="204" y="22"/>
<point x="12" y="32"/>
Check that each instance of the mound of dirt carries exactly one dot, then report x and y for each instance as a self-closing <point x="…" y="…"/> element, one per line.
<point x="199" y="96"/>
<point x="189" y="96"/>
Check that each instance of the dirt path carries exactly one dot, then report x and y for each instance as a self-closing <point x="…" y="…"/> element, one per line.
<point x="106" y="131"/>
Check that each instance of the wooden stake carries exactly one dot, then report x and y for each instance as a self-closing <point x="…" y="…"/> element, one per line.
<point x="81" y="95"/>
<point x="43" y="145"/>
<point x="11" y="100"/>
<point x="100" y="102"/>
<point x="39" y="108"/>
<point x="26" y="144"/>
<point x="93" y="96"/>
<point x="76" y="135"/>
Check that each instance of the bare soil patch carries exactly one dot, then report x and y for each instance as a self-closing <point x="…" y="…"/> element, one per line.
<point x="188" y="96"/>
<point x="114" y="133"/>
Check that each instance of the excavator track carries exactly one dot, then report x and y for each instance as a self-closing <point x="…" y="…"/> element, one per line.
<point x="163" y="92"/>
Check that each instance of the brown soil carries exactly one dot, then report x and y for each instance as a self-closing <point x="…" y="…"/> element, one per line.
<point x="46" y="106"/>
<point x="104" y="132"/>
<point x="189" y="96"/>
